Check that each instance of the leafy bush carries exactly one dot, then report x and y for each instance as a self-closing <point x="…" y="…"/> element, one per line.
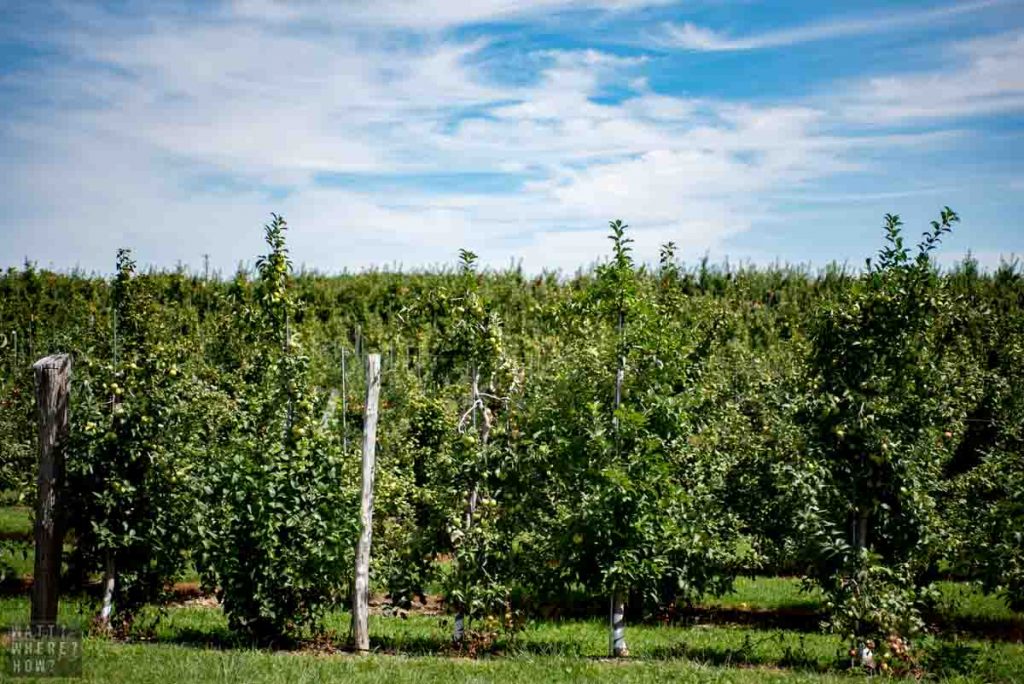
<point x="862" y="427"/>
<point x="882" y="398"/>
<point x="620" y="495"/>
<point x="278" y="527"/>
<point x="138" y="427"/>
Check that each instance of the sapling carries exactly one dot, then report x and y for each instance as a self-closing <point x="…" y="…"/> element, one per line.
<point x="877" y="414"/>
<point x="475" y="339"/>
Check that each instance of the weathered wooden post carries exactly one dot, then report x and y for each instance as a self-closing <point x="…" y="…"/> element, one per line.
<point x="53" y="382"/>
<point x="361" y="600"/>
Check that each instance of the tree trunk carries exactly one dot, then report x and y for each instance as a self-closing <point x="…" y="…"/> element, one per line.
<point x="617" y="626"/>
<point x="53" y="381"/>
<point x="861" y="541"/>
<point x="472" y="499"/>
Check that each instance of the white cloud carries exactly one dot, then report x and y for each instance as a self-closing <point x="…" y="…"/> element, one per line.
<point x="420" y="14"/>
<point x="178" y="137"/>
<point x="692" y="37"/>
<point x="985" y="78"/>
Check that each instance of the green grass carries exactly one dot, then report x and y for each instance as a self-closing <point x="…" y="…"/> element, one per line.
<point x="16" y="546"/>
<point x="160" y="664"/>
<point x="193" y="644"/>
<point x="966" y="600"/>
<point x="768" y="593"/>
<point x="15" y="521"/>
<point x="960" y="600"/>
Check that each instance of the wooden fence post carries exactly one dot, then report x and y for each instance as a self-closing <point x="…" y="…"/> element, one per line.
<point x="361" y="600"/>
<point x="53" y="381"/>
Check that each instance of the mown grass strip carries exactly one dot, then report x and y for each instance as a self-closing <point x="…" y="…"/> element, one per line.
<point x="192" y="643"/>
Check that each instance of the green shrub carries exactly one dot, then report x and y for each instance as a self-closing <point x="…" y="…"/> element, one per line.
<point x="277" y="531"/>
<point x="139" y="420"/>
<point x="882" y="396"/>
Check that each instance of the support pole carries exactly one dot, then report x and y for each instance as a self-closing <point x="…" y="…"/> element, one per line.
<point x="617" y="610"/>
<point x="344" y="404"/>
<point x="109" y="582"/>
<point x="53" y="382"/>
<point x="617" y="646"/>
<point x="361" y="600"/>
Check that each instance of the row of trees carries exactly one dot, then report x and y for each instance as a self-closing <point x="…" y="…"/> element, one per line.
<point x="641" y="434"/>
<point x="226" y="463"/>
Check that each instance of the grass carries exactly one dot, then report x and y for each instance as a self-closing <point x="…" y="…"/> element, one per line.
<point x="16" y="546"/>
<point x="768" y="593"/>
<point x="966" y="601"/>
<point x="15" y="522"/>
<point x="159" y="664"/>
<point x="192" y="643"/>
<point x="738" y="637"/>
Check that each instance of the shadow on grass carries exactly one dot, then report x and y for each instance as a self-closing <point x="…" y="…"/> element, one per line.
<point x="12" y="586"/>
<point x="412" y="645"/>
<point x="219" y="638"/>
<point x="794" y="655"/>
<point x="805" y="620"/>
<point x="782" y="650"/>
<point x="994" y="629"/>
<point x="793" y="652"/>
<point x="789" y="641"/>
<point x="792" y="619"/>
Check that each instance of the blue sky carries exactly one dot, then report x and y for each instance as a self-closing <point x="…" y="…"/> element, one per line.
<point x="395" y="132"/>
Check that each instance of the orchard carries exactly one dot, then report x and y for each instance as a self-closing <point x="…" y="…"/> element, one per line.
<point x="625" y="443"/>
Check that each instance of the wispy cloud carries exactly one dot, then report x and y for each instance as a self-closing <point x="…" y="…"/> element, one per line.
<point x="983" y="77"/>
<point x="266" y="112"/>
<point x="692" y="37"/>
<point x="177" y="134"/>
<point x="421" y="14"/>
